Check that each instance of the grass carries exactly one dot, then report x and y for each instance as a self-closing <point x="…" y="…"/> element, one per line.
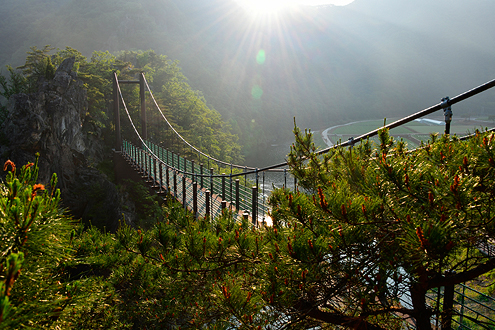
<point x="412" y="133"/>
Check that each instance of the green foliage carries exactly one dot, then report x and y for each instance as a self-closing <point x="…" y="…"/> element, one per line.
<point x="35" y="241"/>
<point x="147" y="204"/>
<point x="379" y="224"/>
<point x="366" y="227"/>
<point x="97" y="75"/>
<point x="38" y="65"/>
<point x="185" y="108"/>
<point x="173" y="274"/>
<point x="16" y="83"/>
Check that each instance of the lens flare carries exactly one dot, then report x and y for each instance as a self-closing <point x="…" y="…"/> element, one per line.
<point x="257" y="92"/>
<point x="261" y="57"/>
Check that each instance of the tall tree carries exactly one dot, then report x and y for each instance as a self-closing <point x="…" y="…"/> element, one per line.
<point x="38" y="65"/>
<point x="373" y="232"/>
<point x="15" y="83"/>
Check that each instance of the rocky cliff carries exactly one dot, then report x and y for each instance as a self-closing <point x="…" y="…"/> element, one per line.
<point x="52" y="122"/>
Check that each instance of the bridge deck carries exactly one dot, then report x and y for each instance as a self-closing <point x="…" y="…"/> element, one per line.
<point x="170" y="173"/>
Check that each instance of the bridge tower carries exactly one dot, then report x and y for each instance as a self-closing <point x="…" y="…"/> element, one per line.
<point x="116" y="108"/>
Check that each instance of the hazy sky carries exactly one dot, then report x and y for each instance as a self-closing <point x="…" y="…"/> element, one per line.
<point x="323" y="2"/>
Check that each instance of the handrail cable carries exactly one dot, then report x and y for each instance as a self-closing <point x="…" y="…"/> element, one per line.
<point x="187" y="143"/>
<point x="427" y="111"/>
<point x="139" y="135"/>
<point x="416" y="115"/>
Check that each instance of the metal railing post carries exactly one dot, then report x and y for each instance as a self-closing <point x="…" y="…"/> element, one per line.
<point x="447" y="112"/>
<point x="144" y="159"/>
<point x="211" y="186"/>
<point x="185" y="165"/>
<point x="143" y="162"/>
<point x="195" y="199"/>
<point x="175" y="184"/>
<point x="263" y="194"/>
<point x="245" y="176"/>
<point x="254" y="206"/>
<point x="160" y="166"/>
<point x="237" y="203"/>
<point x="184" y="192"/>
<point x="208" y="197"/>
<point x="155" y="181"/>
<point x="149" y="167"/>
<point x="135" y="152"/>
<point x="231" y="196"/>
<point x="448" y="307"/>
<point x="257" y="178"/>
<point x="211" y="181"/>
<point x="223" y="186"/>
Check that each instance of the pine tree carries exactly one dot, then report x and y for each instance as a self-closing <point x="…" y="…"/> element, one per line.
<point x="369" y="233"/>
<point x="34" y="242"/>
<point x="376" y="228"/>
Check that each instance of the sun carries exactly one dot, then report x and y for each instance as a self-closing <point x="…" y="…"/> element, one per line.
<point x="263" y="7"/>
<point x="266" y="7"/>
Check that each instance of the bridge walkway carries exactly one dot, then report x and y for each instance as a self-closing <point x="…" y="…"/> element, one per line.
<point x="204" y="194"/>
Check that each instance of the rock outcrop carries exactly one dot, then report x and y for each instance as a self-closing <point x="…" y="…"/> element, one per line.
<point x="51" y="122"/>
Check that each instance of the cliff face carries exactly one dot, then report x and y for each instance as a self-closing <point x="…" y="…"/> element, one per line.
<point x="51" y="122"/>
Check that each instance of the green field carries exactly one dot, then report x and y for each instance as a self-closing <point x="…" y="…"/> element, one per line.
<point x="412" y="133"/>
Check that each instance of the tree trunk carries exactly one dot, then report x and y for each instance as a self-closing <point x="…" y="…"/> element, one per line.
<point x="421" y="312"/>
<point x="448" y="305"/>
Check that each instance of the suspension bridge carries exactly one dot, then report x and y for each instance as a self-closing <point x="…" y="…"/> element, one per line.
<point x="238" y="188"/>
<point x="207" y="186"/>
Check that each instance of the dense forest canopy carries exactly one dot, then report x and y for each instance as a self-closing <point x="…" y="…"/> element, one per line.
<point x="323" y="65"/>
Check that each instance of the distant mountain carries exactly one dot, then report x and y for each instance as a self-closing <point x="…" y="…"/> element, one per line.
<point x="324" y="65"/>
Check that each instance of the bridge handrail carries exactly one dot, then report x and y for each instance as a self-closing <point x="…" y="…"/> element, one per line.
<point x="405" y="120"/>
<point x="277" y="167"/>
<point x="183" y="140"/>
<point x="422" y="113"/>
<point x="442" y="105"/>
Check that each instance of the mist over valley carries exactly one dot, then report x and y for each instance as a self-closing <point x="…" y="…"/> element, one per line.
<point x="323" y="66"/>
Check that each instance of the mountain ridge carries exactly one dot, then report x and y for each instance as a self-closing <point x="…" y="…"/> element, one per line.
<point x="323" y="65"/>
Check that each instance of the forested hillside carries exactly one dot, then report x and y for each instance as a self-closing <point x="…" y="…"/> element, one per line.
<point x="185" y="108"/>
<point x="325" y="66"/>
